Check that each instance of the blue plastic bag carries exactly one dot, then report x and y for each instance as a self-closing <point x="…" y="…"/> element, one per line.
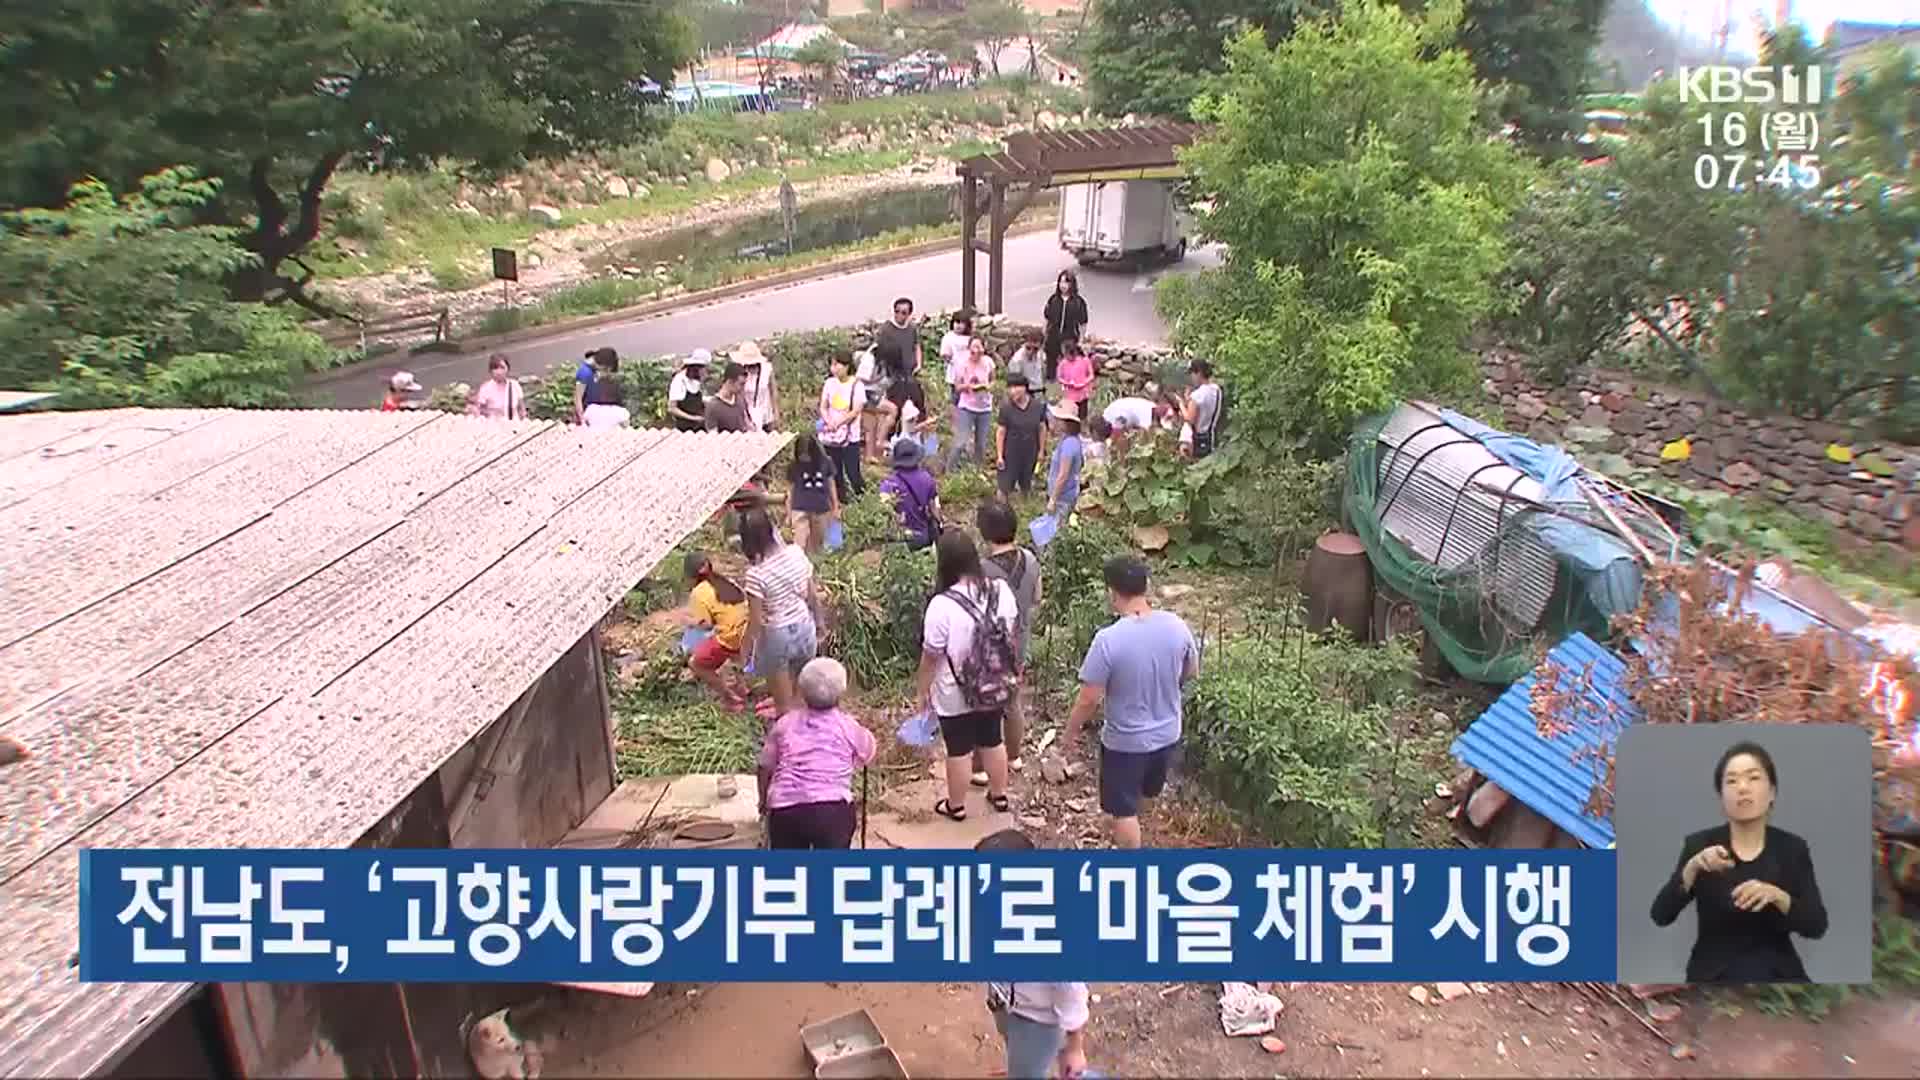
<point x="930" y="444"/>
<point x="920" y="729"/>
<point x="692" y="637"/>
<point x="1043" y="528"/>
<point x="836" y="535"/>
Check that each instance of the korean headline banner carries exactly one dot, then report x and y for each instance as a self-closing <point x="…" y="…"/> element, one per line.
<point x="902" y="916"/>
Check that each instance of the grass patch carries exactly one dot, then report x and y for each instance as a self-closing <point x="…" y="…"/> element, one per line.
<point x="383" y="222"/>
<point x="676" y="739"/>
<point x="611" y="294"/>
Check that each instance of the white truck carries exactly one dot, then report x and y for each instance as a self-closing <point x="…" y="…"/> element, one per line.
<point x="1122" y="220"/>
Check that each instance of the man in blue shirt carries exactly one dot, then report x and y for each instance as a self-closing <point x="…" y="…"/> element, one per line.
<point x="1139" y="668"/>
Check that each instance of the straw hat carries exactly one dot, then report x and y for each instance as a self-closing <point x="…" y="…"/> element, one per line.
<point x="1063" y="411"/>
<point x="747" y="354"/>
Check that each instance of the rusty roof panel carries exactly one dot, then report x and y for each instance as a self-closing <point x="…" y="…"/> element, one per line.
<point x="448" y="568"/>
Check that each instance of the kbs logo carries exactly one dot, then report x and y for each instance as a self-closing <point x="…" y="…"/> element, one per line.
<point x="1723" y="85"/>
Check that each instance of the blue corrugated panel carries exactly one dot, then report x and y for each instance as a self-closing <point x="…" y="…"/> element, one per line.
<point x="1554" y="776"/>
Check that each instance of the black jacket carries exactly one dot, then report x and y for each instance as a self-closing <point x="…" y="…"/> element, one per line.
<point x="1065" y="318"/>
<point x="1734" y="946"/>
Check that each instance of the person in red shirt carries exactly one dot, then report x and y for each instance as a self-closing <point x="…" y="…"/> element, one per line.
<point x="399" y="391"/>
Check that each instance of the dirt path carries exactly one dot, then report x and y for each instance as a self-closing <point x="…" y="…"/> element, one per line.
<point x="1335" y="1030"/>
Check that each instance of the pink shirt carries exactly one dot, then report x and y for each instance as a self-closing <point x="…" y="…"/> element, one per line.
<point x="499" y="401"/>
<point x="1076" y="375"/>
<point x="812" y="756"/>
<point x="967" y="372"/>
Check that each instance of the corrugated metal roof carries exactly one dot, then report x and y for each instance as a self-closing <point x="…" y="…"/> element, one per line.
<point x="212" y="613"/>
<point x="1554" y="776"/>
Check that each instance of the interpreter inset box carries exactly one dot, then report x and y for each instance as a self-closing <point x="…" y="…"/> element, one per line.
<point x="1745" y="853"/>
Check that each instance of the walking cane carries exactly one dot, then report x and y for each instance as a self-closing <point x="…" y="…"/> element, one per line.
<point x="864" y="771"/>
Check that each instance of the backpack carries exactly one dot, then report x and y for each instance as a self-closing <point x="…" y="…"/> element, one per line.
<point x="990" y="675"/>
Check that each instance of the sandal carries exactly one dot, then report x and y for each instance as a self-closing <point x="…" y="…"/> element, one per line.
<point x="1000" y="803"/>
<point x="945" y="809"/>
<point x="979" y="779"/>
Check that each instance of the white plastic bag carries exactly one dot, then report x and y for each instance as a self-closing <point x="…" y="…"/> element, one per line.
<point x="1244" y="1010"/>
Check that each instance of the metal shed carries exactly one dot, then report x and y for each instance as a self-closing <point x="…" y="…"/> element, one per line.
<point x="303" y="629"/>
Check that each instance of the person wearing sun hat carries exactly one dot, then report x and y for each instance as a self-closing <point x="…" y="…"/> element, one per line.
<point x="914" y="492"/>
<point x="763" y="405"/>
<point x="1069" y="458"/>
<point x="686" y="394"/>
<point x="400" y="389"/>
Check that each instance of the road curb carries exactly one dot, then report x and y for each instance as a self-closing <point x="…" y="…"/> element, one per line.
<point x="667" y="305"/>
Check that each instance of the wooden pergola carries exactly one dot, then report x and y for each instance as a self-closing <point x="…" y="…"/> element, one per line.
<point x="1040" y="160"/>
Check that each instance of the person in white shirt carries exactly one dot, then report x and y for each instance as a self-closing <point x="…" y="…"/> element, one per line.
<point x="1136" y="413"/>
<point x="1202" y="408"/>
<point x="964" y="596"/>
<point x="763" y="405"/>
<point x="1044" y="1023"/>
<point x="686" y="394"/>
<point x="842" y="400"/>
<point x="1030" y="359"/>
<point x="956" y="342"/>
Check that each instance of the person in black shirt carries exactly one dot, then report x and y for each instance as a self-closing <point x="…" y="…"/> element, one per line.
<point x="1752" y="885"/>
<point x="1021" y="436"/>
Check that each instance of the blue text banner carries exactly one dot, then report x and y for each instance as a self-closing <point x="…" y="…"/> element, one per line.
<point x="905" y="916"/>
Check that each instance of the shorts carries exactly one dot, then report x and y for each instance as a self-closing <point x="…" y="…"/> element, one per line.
<point x="710" y="655"/>
<point x="785" y="648"/>
<point x="972" y="731"/>
<point x="812" y="826"/>
<point x="1032" y="1047"/>
<point x="1126" y="777"/>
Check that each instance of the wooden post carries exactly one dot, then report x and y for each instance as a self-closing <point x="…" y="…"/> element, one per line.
<point x="997" y="258"/>
<point x="969" y="227"/>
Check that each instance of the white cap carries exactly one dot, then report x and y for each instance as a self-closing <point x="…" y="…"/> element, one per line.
<point x="700" y="358"/>
<point x="404" y="382"/>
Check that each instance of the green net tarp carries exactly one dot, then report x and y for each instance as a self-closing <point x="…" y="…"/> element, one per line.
<point x="1468" y="609"/>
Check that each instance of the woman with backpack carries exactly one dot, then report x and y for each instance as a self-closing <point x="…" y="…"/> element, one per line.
<point x="969" y="669"/>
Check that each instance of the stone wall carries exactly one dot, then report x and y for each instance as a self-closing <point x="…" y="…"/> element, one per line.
<point x="1869" y="490"/>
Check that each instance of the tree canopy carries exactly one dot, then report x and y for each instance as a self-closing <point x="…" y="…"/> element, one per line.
<point x="122" y="300"/>
<point x="1156" y="57"/>
<point x="272" y="99"/>
<point x="1363" y="211"/>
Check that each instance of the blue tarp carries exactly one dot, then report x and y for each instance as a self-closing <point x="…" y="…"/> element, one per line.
<point x="1556" y="469"/>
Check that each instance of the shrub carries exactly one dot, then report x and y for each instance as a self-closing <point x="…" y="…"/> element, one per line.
<point x="643" y="380"/>
<point x="1219" y="510"/>
<point x="876" y="610"/>
<point x="1295" y="730"/>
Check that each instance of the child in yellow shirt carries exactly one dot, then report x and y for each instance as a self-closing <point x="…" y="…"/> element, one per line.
<point x="719" y="605"/>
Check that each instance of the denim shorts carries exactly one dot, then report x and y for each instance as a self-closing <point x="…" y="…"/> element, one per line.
<point x="785" y="647"/>
<point x="1032" y="1047"/>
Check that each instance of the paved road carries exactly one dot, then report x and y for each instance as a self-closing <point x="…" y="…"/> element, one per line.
<point x="1119" y="301"/>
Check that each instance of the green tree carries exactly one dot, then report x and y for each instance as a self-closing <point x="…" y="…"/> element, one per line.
<point x="117" y="301"/>
<point x="826" y="55"/>
<point x="1362" y="208"/>
<point x="995" y="24"/>
<point x="273" y="99"/>
<point x="1154" y="57"/>
<point x="1538" y="59"/>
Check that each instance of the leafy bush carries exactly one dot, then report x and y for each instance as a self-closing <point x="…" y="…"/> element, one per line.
<point x="1296" y="731"/>
<point x="876" y="611"/>
<point x="1363" y="211"/>
<point x="1219" y="510"/>
<point x="123" y="301"/>
<point x="643" y="380"/>
<point x="1073" y="604"/>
